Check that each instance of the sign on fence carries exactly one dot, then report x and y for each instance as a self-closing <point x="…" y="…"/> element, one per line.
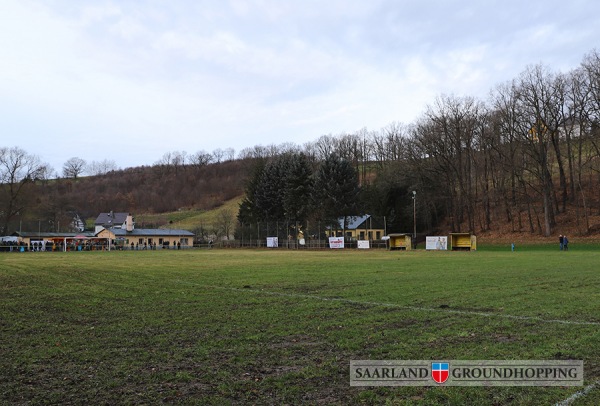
<point x="436" y="243"/>
<point x="336" y="242"/>
<point x="272" y="242"/>
<point x="363" y="244"/>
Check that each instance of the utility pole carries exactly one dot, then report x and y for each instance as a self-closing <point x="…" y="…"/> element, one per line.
<point x="110" y="223"/>
<point x="414" y="192"/>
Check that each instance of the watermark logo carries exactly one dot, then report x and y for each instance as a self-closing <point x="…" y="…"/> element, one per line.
<point x="466" y="373"/>
<point x="440" y="371"/>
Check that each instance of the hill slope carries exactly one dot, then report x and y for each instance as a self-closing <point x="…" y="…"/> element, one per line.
<point x="162" y="194"/>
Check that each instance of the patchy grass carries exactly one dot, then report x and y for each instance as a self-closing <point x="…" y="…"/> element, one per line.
<point x="277" y="327"/>
<point x="190" y="219"/>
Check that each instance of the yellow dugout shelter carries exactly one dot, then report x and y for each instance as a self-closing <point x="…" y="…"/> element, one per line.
<point x="463" y="242"/>
<point x="400" y="242"/>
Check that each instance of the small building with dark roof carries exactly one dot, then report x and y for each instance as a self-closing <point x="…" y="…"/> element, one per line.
<point x="110" y="220"/>
<point x="364" y="227"/>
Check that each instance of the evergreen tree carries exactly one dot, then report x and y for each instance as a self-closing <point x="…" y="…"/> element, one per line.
<point x="248" y="212"/>
<point x="298" y="187"/>
<point x="336" y="190"/>
<point x="268" y="197"/>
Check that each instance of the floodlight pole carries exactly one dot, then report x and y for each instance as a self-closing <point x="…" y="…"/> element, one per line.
<point x="109" y="227"/>
<point x="414" y="192"/>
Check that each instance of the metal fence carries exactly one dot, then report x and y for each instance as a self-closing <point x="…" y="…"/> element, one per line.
<point x="289" y="244"/>
<point x="301" y="235"/>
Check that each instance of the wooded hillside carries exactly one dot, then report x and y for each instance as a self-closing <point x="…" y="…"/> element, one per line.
<point x="50" y="204"/>
<point x="526" y="160"/>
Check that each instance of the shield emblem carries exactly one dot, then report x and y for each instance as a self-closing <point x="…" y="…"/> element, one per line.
<point x="440" y="371"/>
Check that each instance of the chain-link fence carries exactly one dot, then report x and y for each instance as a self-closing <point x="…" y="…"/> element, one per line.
<point x="305" y="235"/>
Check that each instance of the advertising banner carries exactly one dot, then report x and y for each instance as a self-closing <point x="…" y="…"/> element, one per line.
<point x="336" y="242"/>
<point x="272" y="242"/>
<point x="436" y="243"/>
<point x="363" y="244"/>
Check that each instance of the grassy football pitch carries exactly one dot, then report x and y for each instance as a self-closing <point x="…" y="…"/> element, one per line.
<point x="280" y="327"/>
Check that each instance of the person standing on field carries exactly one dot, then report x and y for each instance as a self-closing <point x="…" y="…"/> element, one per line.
<point x="561" y="241"/>
<point x="565" y="243"/>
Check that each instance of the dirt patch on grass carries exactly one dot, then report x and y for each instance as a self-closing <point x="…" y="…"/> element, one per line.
<point x="400" y="324"/>
<point x="259" y="373"/>
<point x="295" y="341"/>
<point x="504" y="338"/>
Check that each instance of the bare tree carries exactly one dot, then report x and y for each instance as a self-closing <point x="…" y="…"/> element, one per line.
<point x="591" y="67"/>
<point x="588" y="133"/>
<point x="287" y="148"/>
<point x="178" y="160"/>
<point x="218" y="155"/>
<point x="447" y="134"/>
<point x="509" y="158"/>
<point x="224" y="223"/>
<point x="171" y="161"/>
<point x="258" y="151"/>
<point x="165" y="159"/>
<point x="74" y="167"/>
<point x="538" y="126"/>
<point x="103" y="167"/>
<point x="395" y="138"/>
<point x="229" y="154"/>
<point x="274" y="150"/>
<point x="325" y="146"/>
<point x="577" y="135"/>
<point x="18" y="170"/>
<point x="202" y="232"/>
<point x="200" y="159"/>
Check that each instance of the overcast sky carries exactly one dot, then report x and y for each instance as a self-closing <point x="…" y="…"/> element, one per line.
<point x="129" y="80"/>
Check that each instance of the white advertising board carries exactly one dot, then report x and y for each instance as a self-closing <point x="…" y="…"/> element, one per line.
<point x="436" y="243"/>
<point x="363" y="244"/>
<point x="336" y="242"/>
<point x="272" y="242"/>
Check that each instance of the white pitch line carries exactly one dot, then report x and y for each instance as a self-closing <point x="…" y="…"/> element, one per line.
<point x="565" y="402"/>
<point x="578" y="394"/>
<point x="394" y="305"/>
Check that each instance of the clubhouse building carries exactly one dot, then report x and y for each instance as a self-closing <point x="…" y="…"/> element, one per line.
<point x="112" y="231"/>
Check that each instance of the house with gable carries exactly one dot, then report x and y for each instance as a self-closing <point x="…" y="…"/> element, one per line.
<point x="364" y="227"/>
<point x="125" y="235"/>
<point x="110" y="220"/>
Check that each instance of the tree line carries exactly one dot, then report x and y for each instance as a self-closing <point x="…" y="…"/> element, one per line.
<point x="33" y="198"/>
<point x="292" y="187"/>
<point x="523" y="157"/>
